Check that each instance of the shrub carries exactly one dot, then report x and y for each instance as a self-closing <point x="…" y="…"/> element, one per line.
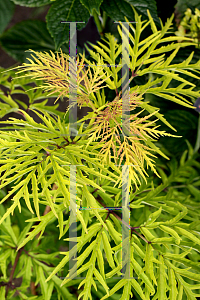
<point x="161" y="245"/>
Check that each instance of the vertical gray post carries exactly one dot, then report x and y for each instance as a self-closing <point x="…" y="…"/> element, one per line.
<point x="125" y="168"/>
<point x="73" y="132"/>
<point x="73" y="226"/>
<point x="126" y="248"/>
<point x="73" y="79"/>
<point x="72" y="223"/>
<point x="125" y="80"/>
<point x="125" y="217"/>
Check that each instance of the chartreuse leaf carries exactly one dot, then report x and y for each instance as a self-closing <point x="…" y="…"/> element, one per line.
<point x="81" y="242"/>
<point x="187" y="288"/>
<point x="12" y="207"/>
<point x="107" y="199"/>
<point x="114" y="234"/>
<point x="138" y="250"/>
<point x="93" y="204"/>
<point x="149" y="236"/>
<point x="153" y="217"/>
<point x="35" y="195"/>
<point x="41" y="227"/>
<point x="47" y="288"/>
<point x="26" y="197"/>
<point x="118" y="286"/>
<point x="127" y="291"/>
<point x="46" y="192"/>
<point x="3" y="258"/>
<point x="179" y="216"/>
<point x="3" y="292"/>
<point x="86" y="253"/>
<point x="89" y="281"/>
<point x="162" y="285"/>
<point x="184" y="261"/>
<point x="138" y="270"/>
<point x="16" y="187"/>
<point x="183" y="272"/>
<point x="108" y="250"/>
<point x="8" y="229"/>
<point x="149" y="259"/>
<point x="100" y="262"/>
<point x="172" y="285"/>
<point x="100" y="279"/>
<point x="137" y="288"/>
<point x="63" y="291"/>
<point x="172" y="232"/>
<point x="24" y="233"/>
<point x="61" y="183"/>
<point x="187" y="234"/>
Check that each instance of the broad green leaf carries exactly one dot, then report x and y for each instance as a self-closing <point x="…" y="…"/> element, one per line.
<point x="90" y="5"/>
<point x="32" y="3"/>
<point x="28" y="34"/>
<point x="143" y="7"/>
<point x="65" y="11"/>
<point x="6" y="12"/>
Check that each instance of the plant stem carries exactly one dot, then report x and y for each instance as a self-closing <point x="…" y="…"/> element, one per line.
<point x="97" y="21"/>
<point x="9" y="284"/>
<point x="104" y="19"/>
<point x="122" y="221"/>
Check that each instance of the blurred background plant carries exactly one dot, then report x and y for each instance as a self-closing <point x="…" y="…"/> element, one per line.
<point x="190" y="26"/>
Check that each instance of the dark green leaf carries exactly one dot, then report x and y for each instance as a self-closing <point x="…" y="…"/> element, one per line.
<point x="32" y="3"/>
<point x="117" y="9"/>
<point x="29" y="34"/>
<point x="65" y="11"/>
<point x="90" y="4"/>
<point x="142" y="5"/>
<point x="6" y="12"/>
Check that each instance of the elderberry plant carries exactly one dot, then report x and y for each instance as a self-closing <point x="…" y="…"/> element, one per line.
<point x="36" y="160"/>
